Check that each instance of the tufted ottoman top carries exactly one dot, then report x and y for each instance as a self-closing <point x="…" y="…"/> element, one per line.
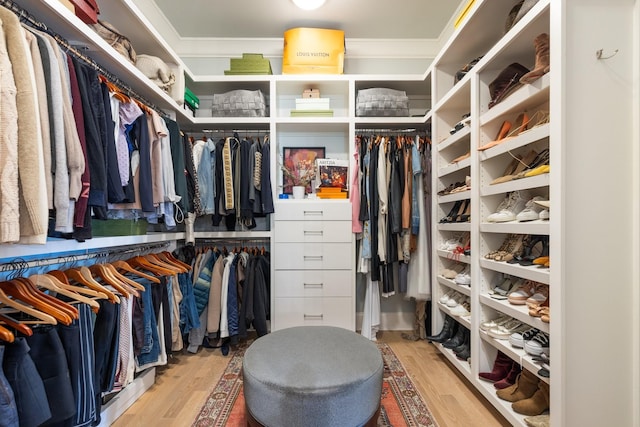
<point x="312" y="376"/>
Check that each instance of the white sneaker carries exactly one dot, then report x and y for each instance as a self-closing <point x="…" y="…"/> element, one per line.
<point x="544" y="214"/>
<point x="446" y="297"/>
<point x="538" y="344"/>
<point x="503" y="332"/>
<point x="531" y="211"/>
<point x="463" y="278"/>
<point x="455" y="300"/>
<point x="461" y="310"/>
<point x="514" y="205"/>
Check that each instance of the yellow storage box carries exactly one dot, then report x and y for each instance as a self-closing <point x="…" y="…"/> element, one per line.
<point x="313" y="50"/>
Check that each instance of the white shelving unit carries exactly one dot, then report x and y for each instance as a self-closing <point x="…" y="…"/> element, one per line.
<point x="586" y="327"/>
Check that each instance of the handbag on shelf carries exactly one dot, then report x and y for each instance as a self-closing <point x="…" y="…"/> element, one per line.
<point x="239" y="103"/>
<point x="156" y="70"/>
<point x="517" y="12"/>
<point x="382" y="102"/>
<point x="115" y="39"/>
<point x="506" y="82"/>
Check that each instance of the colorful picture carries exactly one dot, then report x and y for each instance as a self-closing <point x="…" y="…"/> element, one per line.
<point x="299" y="167"/>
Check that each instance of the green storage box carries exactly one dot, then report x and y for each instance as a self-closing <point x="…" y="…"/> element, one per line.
<point x="191" y="99"/>
<point x="118" y="227"/>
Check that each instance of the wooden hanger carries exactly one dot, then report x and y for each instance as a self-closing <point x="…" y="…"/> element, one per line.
<point x="15" y="324"/>
<point x="18" y="290"/>
<point x="175" y="260"/>
<point x="83" y="276"/>
<point x="64" y="307"/>
<point x="143" y="263"/>
<point x="124" y="266"/>
<point x="51" y="283"/>
<point x="63" y="281"/>
<point x="101" y="272"/>
<point x="132" y="283"/>
<point x="156" y="260"/>
<point x="6" y="335"/>
<point x="15" y="305"/>
<point x="115" y="90"/>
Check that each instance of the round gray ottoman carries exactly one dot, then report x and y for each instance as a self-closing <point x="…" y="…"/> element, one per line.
<point x="312" y="376"/>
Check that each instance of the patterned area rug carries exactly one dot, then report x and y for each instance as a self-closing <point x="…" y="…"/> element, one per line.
<point x="402" y="405"/>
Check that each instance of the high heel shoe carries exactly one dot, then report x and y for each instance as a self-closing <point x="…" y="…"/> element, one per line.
<point x="466" y="212"/>
<point x="522" y="121"/>
<point x="457" y="206"/>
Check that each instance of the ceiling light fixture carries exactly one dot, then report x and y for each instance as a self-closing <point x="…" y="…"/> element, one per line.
<point x="308" y="4"/>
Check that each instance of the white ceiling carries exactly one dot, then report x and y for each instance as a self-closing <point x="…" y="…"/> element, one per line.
<point x="367" y="19"/>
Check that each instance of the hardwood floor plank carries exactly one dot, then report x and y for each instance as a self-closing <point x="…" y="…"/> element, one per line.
<point x="183" y="386"/>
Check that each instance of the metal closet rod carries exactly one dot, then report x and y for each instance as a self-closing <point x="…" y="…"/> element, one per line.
<point x="23" y="264"/>
<point x="29" y="19"/>
<point x="389" y="130"/>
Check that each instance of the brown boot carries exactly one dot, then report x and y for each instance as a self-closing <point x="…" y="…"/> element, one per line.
<point x="525" y="386"/>
<point x="541" y="42"/>
<point x="536" y="404"/>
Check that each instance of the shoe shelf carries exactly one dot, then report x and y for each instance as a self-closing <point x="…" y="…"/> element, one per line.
<point x="538" y="226"/>
<point x="489" y="392"/>
<point x="448" y="198"/>
<point x="538" y="133"/>
<point x="524" y="359"/>
<point x="455" y="226"/>
<point x="463" y="320"/>
<point x="456" y="99"/>
<point x="463" y="289"/>
<point x="527" y="97"/>
<point x="454" y="257"/>
<point x="462" y="366"/>
<point x="533" y="272"/>
<point x="538" y="181"/>
<point x="454" y="167"/>
<point x="462" y="136"/>
<point x="520" y="312"/>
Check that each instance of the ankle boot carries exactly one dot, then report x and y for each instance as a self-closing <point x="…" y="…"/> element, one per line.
<point x="457" y="339"/>
<point x="541" y="42"/>
<point x="525" y="386"/>
<point x="464" y="347"/>
<point x="448" y="330"/>
<point x="511" y="377"/>
<point x="501" y="367"/>
<point x="536" y="404"/>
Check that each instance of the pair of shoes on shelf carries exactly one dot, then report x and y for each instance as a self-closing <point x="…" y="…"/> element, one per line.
<point x="451" y="273"/>
<point x="516" y="167"/>
<point x="460" y="343"/>
<point x="504" y="372"/>
<point x="448" y="189"/>
<point x="504" y="247"/>
<point x="529" y="394"/>
<point x="463" y="309"/>
<point x="503" y="286"/>
<point x="461" y="158"/>
<point x="532" y="340"/>
<point x="465" y="121"/>
<point x="449" y="329"/>
<point x="463" y="278"/>
<point x="510" y="206"/>
<point x="535" y="246"/>
<point x="521" y="294"/>
<point x="465" y="187"/>
<point x="531" y="211"/>
<point x="505" y="133"/>
<point x="504" y="331"/>
<point x="460" y="212"/>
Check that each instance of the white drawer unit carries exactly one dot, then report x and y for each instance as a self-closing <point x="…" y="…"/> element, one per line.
<point x="327" y="311"/>
<point x="314" y="264"/>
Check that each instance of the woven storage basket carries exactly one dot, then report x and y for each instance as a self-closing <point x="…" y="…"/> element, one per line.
<point x="239" y="103"/>
<point x="377" y="102"/>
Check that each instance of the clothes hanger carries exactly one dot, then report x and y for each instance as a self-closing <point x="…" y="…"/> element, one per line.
<point x="6" y="335"/>
<point x="155" y="260"/>
<point x="63" y="281"/>
<point x="16" y="306"/>
<point x="17" y="290"/>
<point x="125" y="266"/>
<point x="64" y="307"/>
<point x="51" y="283"/>
<point x="83" y="276"/>
<point x="174" y="260"/>
<point x="15" y="324"/>
<point x="145" y="264"/>
<point x="131" y="283"/>
<point x="101" y="272"/>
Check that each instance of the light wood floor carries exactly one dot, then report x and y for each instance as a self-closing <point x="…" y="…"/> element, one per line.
<point x="182" y="387"/>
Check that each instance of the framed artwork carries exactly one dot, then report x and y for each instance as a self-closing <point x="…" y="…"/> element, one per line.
<point x="299" y="167"/>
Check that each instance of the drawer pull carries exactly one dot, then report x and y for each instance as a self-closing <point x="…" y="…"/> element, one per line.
<point x="313" y="233"/>
<point x="313" y="317"/>
<point x="313" y="285"/>
<point x="314" y="213"/>
<point x="313" y="257"/>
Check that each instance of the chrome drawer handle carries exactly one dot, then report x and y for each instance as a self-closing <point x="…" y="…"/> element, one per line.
<point x="313" y="257"/>
<point x="313" y="317"/>
<point x="313" y="285"/>
<point x="313" y="213"/>
<point x="313" y="233"/>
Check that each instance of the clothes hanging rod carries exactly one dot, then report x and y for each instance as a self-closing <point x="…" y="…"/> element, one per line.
<point x="28" y="19"/>
<point x="24" y="264"/>
<point x="389" y="130"/>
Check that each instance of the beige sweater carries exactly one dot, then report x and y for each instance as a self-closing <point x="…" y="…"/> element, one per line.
<point x="33" y="198"/>
<point x="9" y="212"/>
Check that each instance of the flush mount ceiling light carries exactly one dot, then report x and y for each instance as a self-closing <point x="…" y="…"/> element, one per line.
<point x="308" y="4"/>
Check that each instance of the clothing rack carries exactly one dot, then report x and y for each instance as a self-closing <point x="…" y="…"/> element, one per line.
<point x="30" y="20"/>
<point x="20" y="264"/>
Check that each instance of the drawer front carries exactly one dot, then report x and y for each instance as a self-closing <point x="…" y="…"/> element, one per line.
<point x="313" y="256"/>
<point x="312" y="210"/>
<point x="290" y="312"/>
<point x="313" y="283"/>
<point x="313" y="231"/>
